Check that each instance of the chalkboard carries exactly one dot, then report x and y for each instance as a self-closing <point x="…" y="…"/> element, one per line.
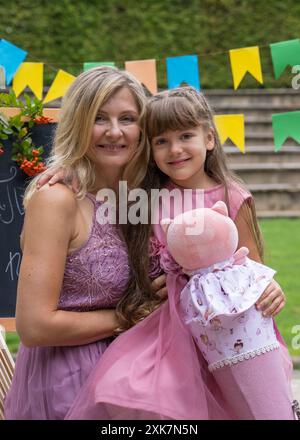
<point x="12" y="185"/>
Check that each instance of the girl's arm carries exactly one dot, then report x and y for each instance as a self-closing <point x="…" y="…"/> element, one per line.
<point x="272" y="300"/>
<point x="54" y="176"/>
<point x="48" y="230"/>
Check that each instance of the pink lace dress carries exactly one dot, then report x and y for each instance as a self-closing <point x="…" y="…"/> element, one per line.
<point x="155" y="370"/>
<point x="47" y="379"/>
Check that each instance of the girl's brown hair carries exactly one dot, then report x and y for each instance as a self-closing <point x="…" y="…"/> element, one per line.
<point x="185" y="107"/>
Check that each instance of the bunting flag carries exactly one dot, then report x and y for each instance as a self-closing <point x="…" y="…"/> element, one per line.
<point x="11" y="57"/>
<point x="232" y="127"/>
<point x="60" y="85"/>
<point x="145" y="72"/>
<point x="285" y="53"/>
<point x="243" y="61"/>
<point x="2" y="77"/>
<point x="285" y="125"/>
<point x="183" y="69"/>
<point x="88" y="66"/>
<point x="31" y="75"/>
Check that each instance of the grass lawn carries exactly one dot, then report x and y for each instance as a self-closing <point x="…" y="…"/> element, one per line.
<point x="282" y="253"/>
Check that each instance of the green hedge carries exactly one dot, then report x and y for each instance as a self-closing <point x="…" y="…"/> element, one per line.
<point x="65" y="33"/>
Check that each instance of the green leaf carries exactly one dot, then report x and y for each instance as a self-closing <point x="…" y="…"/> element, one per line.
<point x="7" y="130"/>
<point x="27" y="99"/>
<point x="23" y="132"/>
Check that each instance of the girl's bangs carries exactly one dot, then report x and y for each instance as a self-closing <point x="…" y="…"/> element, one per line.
<point x="171" y="114"/>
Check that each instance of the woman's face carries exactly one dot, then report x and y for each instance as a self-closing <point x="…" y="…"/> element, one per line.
<point x="116" y="132"/>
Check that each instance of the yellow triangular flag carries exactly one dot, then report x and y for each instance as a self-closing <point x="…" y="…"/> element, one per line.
<point x="31" y="75"/>
<point x="60" y="85"/>
<point x="243" y="61"/>
<point x="145" y="72"/>
<point x="233" y="127"/>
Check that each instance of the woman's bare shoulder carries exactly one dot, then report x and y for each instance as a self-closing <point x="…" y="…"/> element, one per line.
<point x="58" y="197"/>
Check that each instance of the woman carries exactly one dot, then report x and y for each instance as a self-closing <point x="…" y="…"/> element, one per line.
<point x="75" y="270"/>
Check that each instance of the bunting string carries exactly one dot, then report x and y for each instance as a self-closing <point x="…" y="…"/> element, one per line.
<point x="180" y="69"/>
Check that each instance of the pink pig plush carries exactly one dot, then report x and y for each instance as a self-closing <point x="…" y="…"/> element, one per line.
<point x="217" y="237"/>
<point x="218" y="303"/>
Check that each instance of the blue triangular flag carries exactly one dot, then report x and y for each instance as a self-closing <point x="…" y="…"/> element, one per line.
<point x="11" y="57"/>
<point x="183" y="69"/>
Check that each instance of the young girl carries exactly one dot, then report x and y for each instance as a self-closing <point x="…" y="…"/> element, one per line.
<point x="75" y="270"/>
<point x="154" y="370"/>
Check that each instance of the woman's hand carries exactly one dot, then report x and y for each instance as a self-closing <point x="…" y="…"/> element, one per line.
<point x="54" y="176"/>
<point x="159" y="286"/>
<point x="272" y="300"/>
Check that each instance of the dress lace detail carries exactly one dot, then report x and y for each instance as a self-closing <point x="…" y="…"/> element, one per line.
<point x="47" y="379"/>
<point x="160" y="259"/>
<point x="244" y="356"/>
<point x="96" y="274"/>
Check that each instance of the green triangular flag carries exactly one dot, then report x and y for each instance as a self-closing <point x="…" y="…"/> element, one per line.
<point x="285" y="53"/>
<point x="88" y="66"/>
<point x="286" y="125"/>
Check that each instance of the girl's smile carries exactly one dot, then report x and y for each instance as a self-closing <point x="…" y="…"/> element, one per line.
<point x="178" y="163"/>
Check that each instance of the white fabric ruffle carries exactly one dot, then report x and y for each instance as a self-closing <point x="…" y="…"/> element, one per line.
<point x="219" y="307"/>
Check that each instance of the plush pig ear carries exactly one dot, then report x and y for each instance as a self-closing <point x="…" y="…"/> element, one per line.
<point x="221" y="208"/>
<point x="165" y="223"/>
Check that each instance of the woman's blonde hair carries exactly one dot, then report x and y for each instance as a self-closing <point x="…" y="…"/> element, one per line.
<point x="185" y="107"/>
<point x="89" y="91"/>
<point x="80" y="105"/>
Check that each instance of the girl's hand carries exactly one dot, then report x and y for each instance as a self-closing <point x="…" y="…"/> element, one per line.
<point x="272" y="300"/>
<point x="159" y="286"/>
<point x="54" y="176"/>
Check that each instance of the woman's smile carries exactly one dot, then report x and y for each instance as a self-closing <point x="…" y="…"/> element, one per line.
<point x="111" y="148"/>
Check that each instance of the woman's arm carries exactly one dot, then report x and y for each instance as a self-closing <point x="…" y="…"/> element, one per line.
<point x="48" y="230"/>
<point x="272" y="300"/>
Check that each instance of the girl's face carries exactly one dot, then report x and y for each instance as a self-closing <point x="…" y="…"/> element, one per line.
<point x="181" y="155"/>
<point x="116" y="132"/>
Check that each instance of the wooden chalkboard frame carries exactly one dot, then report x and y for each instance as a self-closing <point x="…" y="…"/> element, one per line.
<point x="8" y="323"/>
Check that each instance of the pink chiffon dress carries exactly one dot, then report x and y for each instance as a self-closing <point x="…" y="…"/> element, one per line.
<point x="155" y="370"/>
<point x="237" y="341"/>
<point x="47" y="379"/>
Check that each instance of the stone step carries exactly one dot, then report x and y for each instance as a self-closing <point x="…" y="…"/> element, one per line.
<point x="265" y="137"/>
<point x="254" y="113"/>
<point x="266" y="108"/>
<point x="277" y="214"/>
<point x="255" y="141"/>
<point x="251" y="97"/>
<point x="256" y="124"/>
<point x="263" y="140"/>
<point x="263" y="119"/>
<point x="268" y="142"/>
<point x="276" y="197"/>
<point x="261" y="125"/>
<point x="268" y="173"/>
<point x="263" y="154"/>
